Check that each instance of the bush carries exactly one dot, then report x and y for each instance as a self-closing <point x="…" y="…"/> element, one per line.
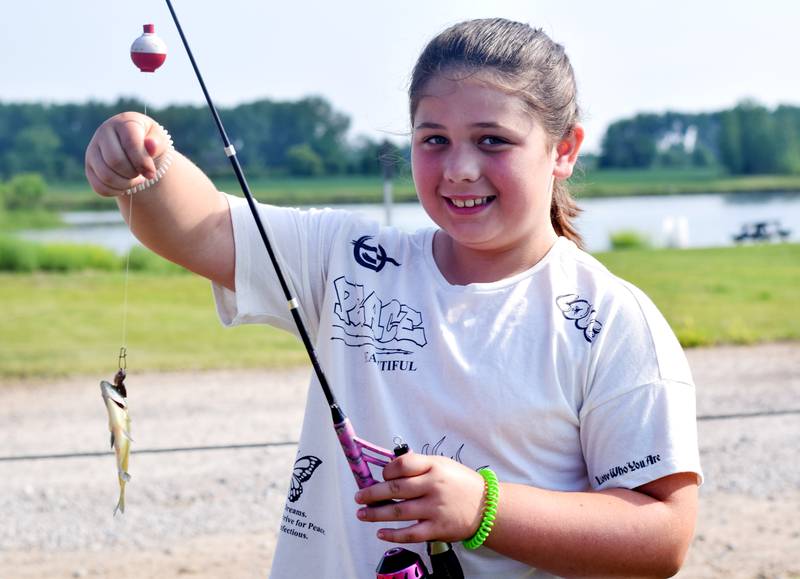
<point x="25" y="191"/>
<point x="17" y="255"/>
<point x="75" y="257"/>
<point x="142" y="259"/>
<point x="629" y="239"/>
<point x="304" y="162"/>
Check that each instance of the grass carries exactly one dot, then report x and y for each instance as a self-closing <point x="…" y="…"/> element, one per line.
<point x="611" y="183"/>
<point x="736" y="295"/>
<point x="18" y="220"/>
<point x="328" y="190"/>
<point x="59" y="324"/>
<point x="281" y="191"/>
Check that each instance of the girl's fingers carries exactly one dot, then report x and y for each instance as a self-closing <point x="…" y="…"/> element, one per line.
<point x="111" y="181"/>
<point x="105" y="181"/>
<point x="114" y="161"/>
<point x="128" y="155"/>
<point x="97" y="184"/>
<point x="404" y="488"/>
<point x="417" y="533"/>
<point x="408" y="465"/>
<point x="411" y="510"/>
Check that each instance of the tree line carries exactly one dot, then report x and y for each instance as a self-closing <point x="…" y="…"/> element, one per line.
<point x="304" y="137"/>
<point x="309" y="137"/>
<point x="748" y="139"/>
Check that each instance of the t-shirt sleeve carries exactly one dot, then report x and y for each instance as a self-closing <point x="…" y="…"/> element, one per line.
<point x="301" y="240"/>
<point x="638" y="421"/>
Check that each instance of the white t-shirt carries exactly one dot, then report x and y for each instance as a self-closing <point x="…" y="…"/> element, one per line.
<point x="562" y="377"/>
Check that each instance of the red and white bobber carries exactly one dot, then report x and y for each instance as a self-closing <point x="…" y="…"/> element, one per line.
<point x="148" y="52"/>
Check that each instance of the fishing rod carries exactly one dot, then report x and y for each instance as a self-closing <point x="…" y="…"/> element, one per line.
<point x="360" y="453"/>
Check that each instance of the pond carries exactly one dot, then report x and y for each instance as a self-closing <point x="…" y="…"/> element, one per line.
<point x="705" y="220"/>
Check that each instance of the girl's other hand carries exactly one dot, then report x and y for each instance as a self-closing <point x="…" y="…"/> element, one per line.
<point x="122" y="153"/>
<point x="442" y="495"/>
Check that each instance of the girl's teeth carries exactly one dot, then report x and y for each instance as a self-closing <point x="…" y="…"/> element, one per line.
<point x="468" y="202"/>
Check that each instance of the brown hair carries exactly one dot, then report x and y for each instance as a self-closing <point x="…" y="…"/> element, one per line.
<point x="526" y="62"/>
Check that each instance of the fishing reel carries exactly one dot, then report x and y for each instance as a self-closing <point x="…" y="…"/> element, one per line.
<point x="399" y="563"/>
<point x="396" y="563"/>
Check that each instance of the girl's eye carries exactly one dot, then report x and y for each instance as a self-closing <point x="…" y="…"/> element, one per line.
<point x="435" y="140"/>
<point x="491" y="140"/>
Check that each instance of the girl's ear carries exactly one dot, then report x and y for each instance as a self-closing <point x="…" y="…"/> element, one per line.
<point x="567" y="152"/>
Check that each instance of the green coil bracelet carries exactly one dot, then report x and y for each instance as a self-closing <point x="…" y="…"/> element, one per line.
<point x="489" y="510"/>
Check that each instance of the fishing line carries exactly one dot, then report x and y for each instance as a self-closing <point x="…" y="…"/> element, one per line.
<point x="124" y="348"/>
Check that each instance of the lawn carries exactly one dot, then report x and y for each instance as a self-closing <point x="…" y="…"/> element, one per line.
<point x="58" y="324"/>
<point x="732" y="295"/>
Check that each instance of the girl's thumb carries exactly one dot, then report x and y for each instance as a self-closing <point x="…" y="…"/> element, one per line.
<point x="151" y="146"/>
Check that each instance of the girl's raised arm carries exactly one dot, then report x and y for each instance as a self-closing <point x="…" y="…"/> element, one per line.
<point x="182" y="216"/>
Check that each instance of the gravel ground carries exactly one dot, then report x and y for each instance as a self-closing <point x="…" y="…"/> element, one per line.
<point x="214" y="513"/>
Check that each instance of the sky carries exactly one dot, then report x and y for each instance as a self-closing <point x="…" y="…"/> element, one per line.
<point x="629" y="56"/>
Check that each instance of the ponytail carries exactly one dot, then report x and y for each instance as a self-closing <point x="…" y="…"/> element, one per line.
<point x="563" y="210"/>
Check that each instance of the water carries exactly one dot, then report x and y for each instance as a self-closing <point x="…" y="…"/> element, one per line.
<point x="709" y="220"/>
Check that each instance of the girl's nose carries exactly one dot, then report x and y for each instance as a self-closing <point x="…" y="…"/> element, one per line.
<point x="462" y="165"/>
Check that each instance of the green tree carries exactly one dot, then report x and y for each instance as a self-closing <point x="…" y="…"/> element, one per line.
<point x="35" y="148"/>
<point x="730" y="142"/>
<point x="631" y="143"/>
<point x="702" y="156"/>
<point x="759" y="146"/>
<point x="787" y="137"/>
<point x="304" y="162"/>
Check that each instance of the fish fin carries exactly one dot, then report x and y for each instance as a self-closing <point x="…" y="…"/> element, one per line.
<point x="112" y="440"/>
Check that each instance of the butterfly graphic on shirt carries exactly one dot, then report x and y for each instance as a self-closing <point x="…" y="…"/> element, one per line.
<point x="304" y="467"/>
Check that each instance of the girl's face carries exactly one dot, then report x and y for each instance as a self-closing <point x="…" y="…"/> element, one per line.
<point x="483" y="170"/>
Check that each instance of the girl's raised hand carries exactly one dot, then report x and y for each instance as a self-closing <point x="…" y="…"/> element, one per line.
<point x="122" y="153"/>
<point x="442" y="495"/>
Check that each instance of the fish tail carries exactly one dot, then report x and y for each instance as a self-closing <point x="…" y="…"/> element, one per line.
<point x="120" y="505"/>
<point x="123" y="478"/>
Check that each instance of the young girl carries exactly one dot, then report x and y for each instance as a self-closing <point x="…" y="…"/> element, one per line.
<point x="493" y="341"/>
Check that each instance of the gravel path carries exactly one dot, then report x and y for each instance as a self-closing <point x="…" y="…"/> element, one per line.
<point x="214" y="513"/>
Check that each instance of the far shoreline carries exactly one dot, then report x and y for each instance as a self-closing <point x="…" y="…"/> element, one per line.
<point x="344" y="189"/>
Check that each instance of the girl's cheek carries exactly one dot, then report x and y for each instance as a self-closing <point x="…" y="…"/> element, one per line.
<point x="424" y="171"/>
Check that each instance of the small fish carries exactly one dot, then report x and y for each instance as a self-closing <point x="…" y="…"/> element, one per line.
<point x="119" y="423"/>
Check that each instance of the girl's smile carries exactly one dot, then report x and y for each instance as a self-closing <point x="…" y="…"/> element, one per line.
<point x="483" y="169"/>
